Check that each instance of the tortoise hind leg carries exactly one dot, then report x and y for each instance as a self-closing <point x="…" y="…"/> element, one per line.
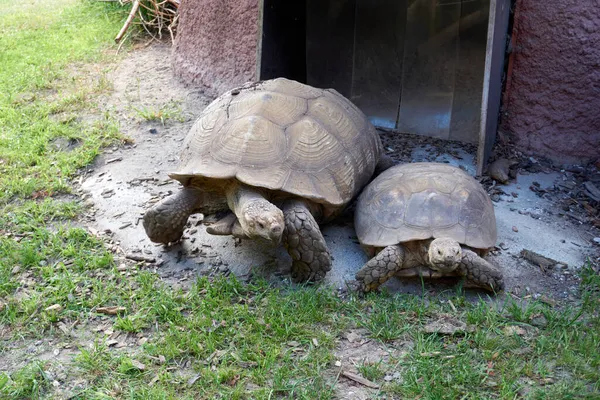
<point x="304" y="242"/>
<point x="380" y="268"/>
<point x="480" y="273"/>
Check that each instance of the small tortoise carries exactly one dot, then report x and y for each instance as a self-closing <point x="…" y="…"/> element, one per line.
<point x="281" y="155"/>
<point x="426" y="219"/>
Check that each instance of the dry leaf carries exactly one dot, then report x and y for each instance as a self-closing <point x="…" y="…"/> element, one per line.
<point x="193" y="379"/>
<point x="446" y="325"/>
<point x="234" y="380"/>
<point x="54" y="307"/>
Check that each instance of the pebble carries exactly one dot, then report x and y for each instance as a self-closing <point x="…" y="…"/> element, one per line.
<point x="597" y="240"/>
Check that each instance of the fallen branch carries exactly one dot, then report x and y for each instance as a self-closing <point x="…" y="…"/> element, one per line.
<point x="134" y="10"/>
<point x="154" y="15"/>
<point x="359" y="379"/>
<point x="541" y="261"/>
<point x="139" y="257"/>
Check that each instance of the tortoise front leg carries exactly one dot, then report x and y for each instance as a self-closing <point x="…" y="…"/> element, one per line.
<point x="228" y="225"/>
<point x="304" y="242"/>
<point x="380" y="268"/>
<point x="224" y="226"/>
<point x="480" y="273"/>
<point x="165" y="221"/>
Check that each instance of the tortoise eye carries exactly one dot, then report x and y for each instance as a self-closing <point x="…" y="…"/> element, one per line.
<point x="261" y="225"/>
<point x="439" y="252"/>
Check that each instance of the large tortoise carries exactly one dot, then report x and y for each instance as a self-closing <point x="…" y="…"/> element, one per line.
<point x="281" y="155"/>
<point x="426" y="219"/>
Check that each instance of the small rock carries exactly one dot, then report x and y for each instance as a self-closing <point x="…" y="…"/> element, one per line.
<point x="515" y="229"/>
<point x="596" y="240"/>
<point x="54" y="307"/>
<point x="540" y="321"/>
<point x="514" y="330"/>
<point x="138" y="365"/>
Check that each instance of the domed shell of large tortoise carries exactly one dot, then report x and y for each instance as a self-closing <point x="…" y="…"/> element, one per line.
<point x="283" y="135"/>
<point x="425" y="200"/>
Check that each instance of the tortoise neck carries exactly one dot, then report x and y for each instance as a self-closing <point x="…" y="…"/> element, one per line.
<point x="239" y="194"/>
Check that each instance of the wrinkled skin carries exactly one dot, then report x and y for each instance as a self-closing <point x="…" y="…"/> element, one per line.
<point x="444" y="254"/>
<point x="262" y="219"/>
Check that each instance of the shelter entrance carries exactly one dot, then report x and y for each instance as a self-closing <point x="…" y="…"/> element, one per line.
<point x="416" y="66"/>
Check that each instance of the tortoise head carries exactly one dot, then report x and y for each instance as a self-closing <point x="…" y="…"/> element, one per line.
<point x="262" y="219"/>
<point x="444" y="254"/>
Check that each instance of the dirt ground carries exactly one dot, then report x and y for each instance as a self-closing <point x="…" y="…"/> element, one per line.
<point x="543" y="210"/>
<point x="125" y="181"/>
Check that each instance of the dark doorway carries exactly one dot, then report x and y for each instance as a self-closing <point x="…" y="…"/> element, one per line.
<point x="416" y="66"/>
<point x="283" y="48"/>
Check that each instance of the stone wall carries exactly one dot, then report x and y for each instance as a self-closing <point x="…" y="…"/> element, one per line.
<point x="216" y="45"/>
<point x="552" y="103"/>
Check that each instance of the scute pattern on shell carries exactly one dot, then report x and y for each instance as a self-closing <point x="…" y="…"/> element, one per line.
<point x="284" y="135"/>
<point x="425" y="200"/>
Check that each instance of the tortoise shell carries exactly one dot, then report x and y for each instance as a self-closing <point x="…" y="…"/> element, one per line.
<point x="425" y="200"/>
<point x="286" y="136"/>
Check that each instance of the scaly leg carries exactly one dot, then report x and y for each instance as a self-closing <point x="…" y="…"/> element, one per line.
<point x="228" y="225"/>
<point x="380" y="268"/>
<point x="304" y="242"/>
<point x="165" y="221"/>
<point x="480" y="273"/>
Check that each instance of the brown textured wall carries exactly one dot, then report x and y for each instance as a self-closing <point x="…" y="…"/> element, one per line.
<point x="552" y="104"/>
<point x="216" y="43"/>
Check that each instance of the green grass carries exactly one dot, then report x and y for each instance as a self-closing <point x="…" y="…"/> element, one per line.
<point x="166" y="112"/>
<point x="219" y="339"/>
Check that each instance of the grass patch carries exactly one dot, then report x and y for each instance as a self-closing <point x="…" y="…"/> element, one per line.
<point x="164" y="113"/>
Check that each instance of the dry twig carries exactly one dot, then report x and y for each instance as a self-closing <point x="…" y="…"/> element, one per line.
<point x="155" y="16"/>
